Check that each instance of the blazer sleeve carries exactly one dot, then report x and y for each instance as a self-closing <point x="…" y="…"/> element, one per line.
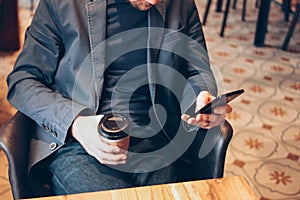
<point x="30" y="84"/>
<point x="198" y="71"/>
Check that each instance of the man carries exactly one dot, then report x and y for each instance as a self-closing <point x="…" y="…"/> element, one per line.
<point x="83" y="59"/>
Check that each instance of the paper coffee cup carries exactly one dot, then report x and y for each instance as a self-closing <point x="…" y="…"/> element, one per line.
<point x="113" y="129"/>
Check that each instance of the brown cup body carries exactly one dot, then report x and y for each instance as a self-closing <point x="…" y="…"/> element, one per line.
<point x="121" y="143"/>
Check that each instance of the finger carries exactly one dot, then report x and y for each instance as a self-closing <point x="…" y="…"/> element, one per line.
<point x="101" y="155"/>
<point x="208" y="121"/>
<point x="184" y="117"/>
<point x="203" y="124"/>
<point x="203" y="98"/>
<point x="208" y="125"/>
<point x="228" y="108"/>
<point x="207" y="98"/>
<point x="214" y="124"/>
<point x="105" y="162"/>
<point x="223" y="109"/>
<point x="108" y="148"/>
<point x="220" y="110"/>
<point x="107" y="158"/>
<point x="188" y="119"/>
<point x="192" y="120"/>
<point x="219" y="121"/>
<point x="110" y="159"/>
<point x="206" y="117"/>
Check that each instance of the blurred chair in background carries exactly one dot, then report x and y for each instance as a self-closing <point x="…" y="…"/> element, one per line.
<point x="226" y="11"/>
<point x="291" y="26"/>
<point x="9" y="25"/>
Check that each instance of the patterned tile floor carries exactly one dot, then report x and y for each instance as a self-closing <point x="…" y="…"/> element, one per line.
<point x="266" y="144"/>
<point x="265" y="148"/>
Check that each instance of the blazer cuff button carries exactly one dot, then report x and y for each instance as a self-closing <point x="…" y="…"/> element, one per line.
<point x="52" y="146"/>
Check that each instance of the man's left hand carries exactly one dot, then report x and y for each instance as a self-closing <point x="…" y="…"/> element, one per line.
<point x="207" y="121"/>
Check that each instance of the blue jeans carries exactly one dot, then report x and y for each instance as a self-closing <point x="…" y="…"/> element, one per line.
<point x="75" y="171"/>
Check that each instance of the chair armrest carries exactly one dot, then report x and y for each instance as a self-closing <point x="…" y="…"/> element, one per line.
<point x="14" y="140"/>
<point x="226" y="136"/>
<point x="212" y="165"/>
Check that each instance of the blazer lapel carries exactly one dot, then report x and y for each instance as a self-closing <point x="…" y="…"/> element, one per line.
<point x="96" y="12"/>
<point x="156" y="21"/>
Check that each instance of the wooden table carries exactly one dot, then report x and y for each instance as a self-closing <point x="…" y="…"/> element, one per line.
<point x="213" y="189"/>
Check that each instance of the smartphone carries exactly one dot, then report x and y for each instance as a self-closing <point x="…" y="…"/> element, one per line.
<point x="220" y="100"/>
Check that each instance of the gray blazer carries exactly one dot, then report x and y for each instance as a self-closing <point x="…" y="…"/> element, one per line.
<point x="59" y="73"/>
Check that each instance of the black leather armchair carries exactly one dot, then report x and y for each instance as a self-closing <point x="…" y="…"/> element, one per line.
<point x="14" y="140"/>
<point x="15" y="136"/>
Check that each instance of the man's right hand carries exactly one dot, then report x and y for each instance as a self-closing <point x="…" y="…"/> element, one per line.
<point x="84" y="130"/>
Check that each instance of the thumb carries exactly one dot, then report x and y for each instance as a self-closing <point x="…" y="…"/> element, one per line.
<point x="202" y="99"/>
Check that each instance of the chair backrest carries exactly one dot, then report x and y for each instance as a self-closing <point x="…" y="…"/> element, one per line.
<point x="15" y="136"/>
<point x="14" y="140"/>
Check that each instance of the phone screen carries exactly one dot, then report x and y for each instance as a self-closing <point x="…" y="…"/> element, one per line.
<point x="220" y="100"/>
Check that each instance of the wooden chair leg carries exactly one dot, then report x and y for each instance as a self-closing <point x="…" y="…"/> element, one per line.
<point x="206" y="12"/>
<point x="31" y="5"/>
<point x="286" y="8"/>
<point x="244" y="10"/>
<point x="291" y="28"/>
<point x="225" y="18"/>
<point x="256" y="3"/>
<point x="219" y="5"/>
<point x="234" y="4"/>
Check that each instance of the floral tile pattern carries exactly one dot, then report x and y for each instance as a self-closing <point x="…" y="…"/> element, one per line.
<point x="275" y="179"/>
<point x="258" y="144"/>
<point x="265" y="148"/>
